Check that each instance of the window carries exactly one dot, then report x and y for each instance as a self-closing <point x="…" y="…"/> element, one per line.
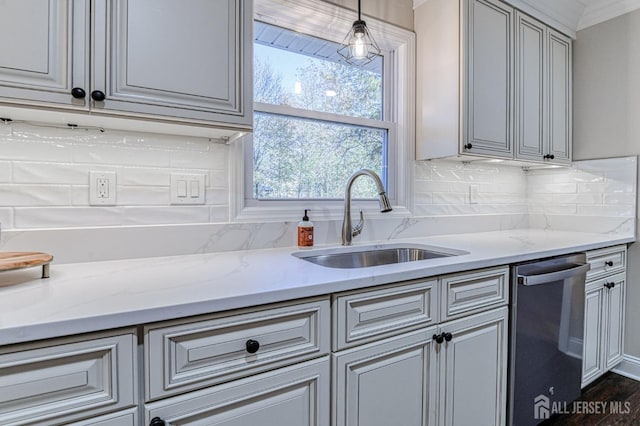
<point x="317" y="119"/>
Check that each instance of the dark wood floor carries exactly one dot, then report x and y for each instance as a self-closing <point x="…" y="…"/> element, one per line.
<point x="617" y="391"/>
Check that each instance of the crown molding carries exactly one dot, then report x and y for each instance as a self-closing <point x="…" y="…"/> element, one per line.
<point x="569" y="16"/>
<point x="603" y="10"/>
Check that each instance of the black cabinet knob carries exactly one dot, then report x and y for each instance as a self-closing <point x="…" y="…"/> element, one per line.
<point x="78" y="93"/>
<point x="97" y="95"/>
<point x="438" y="338"/>
<point x="468" y="146"/>
<point x="608" y="263"/>
<point x="252" y="346"/>
<point x="549" y="157"/>
<point x="609" y="285"/>
<point x="157" y="421"/>
<point x="448" y="337"/>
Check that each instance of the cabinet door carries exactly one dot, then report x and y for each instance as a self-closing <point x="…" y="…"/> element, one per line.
<point x="559" y="90"/>
<point x="473" y="370"/>
<point x="592" y="363"/>
<point x="44" y="49"/>
<point x="488" y="102"/>
<point x="390" y="382"/>
<point x="54" y="382"/>
<point x="162" y="58"/>
<point x="291" y="396"/>
<point x="614" y="331"/>
<point x="530" y="52"/>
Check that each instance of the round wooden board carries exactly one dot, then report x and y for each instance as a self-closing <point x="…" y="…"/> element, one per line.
<point x="17" y="260"/>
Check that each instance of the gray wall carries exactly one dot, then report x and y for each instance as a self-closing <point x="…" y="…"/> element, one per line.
<point x="606" y="118"/>
<point x="397" y="12"/>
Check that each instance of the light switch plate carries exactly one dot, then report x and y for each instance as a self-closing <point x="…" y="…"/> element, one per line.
<point x="188" y="188"/>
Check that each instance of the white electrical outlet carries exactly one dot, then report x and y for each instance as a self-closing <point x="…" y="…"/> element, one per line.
<point x="188" y="188"/>
<point x="102" y="188"/>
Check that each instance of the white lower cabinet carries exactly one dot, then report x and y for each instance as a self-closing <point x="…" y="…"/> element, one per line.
<point x="472" y="365"/>
<point x="79" y="380"/>
<point x="391" y="382"/>
<point x="604" y="327"/>
<point x="604" y="310"/>
<point x="448" y="372"/>
<point x="291" y="396"/>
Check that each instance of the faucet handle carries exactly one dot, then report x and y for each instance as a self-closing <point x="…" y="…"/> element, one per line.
<point x="358" y="228"/>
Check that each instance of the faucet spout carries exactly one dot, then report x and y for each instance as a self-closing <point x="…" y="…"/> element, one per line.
<point x="348" y="232"/>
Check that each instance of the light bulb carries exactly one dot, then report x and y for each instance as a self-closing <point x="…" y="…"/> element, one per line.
<point x="358" y="47"/>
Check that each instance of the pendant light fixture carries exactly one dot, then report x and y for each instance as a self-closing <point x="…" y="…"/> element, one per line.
<point x="358" y="47"/>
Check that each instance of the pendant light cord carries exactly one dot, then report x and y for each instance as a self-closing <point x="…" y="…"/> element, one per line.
<point x="359" y="17"/>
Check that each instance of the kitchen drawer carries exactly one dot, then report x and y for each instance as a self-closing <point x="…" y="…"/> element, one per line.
<point x="59" y="381"/>
<point x="610" y="260"/>
<point x="471" y="292"/>
<point x="122" y="418"/>
<point x="295" y="395"/>
<point x="194" y="353"/>
<point x="364" y="316"/>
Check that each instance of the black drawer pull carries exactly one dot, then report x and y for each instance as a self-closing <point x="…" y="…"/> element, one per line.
<point x="252" y="346"/>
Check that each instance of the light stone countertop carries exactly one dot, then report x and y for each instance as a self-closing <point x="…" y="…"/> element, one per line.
<point x="85" y="297"/>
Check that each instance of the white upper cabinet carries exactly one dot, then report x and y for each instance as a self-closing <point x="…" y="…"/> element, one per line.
<point x="543" y="92"/>
<point x="487" y="116"/>
<point x="491" y="82"/>
<point x="559" y="97"/>
<point x="44" y="54"/>
<point x="161" y="59"/>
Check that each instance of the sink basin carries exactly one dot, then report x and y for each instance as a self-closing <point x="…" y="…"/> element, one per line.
<point x="363" y="257"/>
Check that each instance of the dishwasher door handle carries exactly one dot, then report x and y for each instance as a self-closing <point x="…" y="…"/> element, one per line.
<point x="549" y="277"/>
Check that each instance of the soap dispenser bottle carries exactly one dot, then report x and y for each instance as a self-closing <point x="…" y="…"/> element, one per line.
<point x="305" y="231"/>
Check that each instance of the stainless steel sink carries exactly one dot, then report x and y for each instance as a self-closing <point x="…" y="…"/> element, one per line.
<point x="363" y="257"/>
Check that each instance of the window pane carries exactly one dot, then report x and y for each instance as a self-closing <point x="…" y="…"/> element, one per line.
<point x="306" y="72"/>
<point x="301" y="159"/>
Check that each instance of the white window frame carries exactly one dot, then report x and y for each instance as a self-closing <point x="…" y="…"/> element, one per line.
<point x="332" y="22"/>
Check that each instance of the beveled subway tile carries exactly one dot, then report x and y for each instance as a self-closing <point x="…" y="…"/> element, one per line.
<point x="63" y="217"/>
<point x="219" y="214"/>
<point x="55" y="173"/>
<point x="5" y="171"/>
<point x="143" y="196"/>
<point x="6" y="217"/>
<point x="35" y="151"/>
<point x="34" y="195"/>
<point x="121" y="155"/>
<point x="165" y="215"/>
<point x="144" y="176"/>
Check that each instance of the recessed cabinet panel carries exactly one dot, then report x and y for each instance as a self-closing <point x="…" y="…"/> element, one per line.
<point x="560" y="92"/>
<point x="361" y="317"/>
<point x="160" y="57"/>
<point x="592" y="362"/>
<point x="530" y="78"/>
<point x="390" y="382"/>
<point x="608" y="261"/>
<point x="193" y="354"/>
<point x="291" y="396"/>
<point x="614" y="347"/>
<point x="471" y="292"/>
<point x="40" y="60"/>
<point x="56" y="383"/>
<point x="489" y="78"/>
<point x="473" y="377"/>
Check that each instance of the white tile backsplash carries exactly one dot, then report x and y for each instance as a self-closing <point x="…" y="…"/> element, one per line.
<point x="44" y="194"/>
<point x="44" y="177"/>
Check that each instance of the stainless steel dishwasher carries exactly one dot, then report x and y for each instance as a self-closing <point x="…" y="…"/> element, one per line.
<point x="546" y="334"/>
